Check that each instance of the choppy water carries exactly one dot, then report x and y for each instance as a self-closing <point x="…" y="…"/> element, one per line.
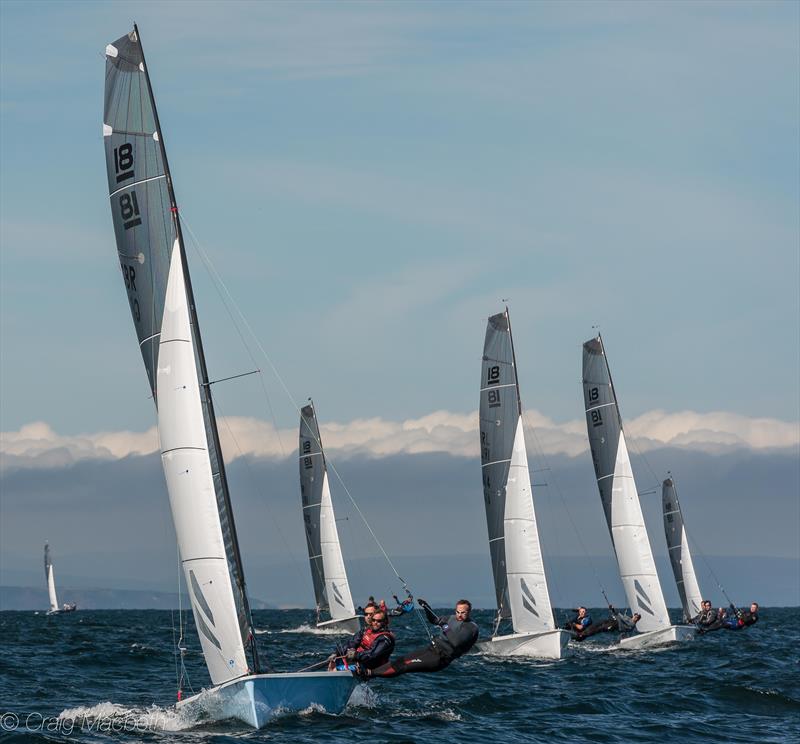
<point x="96" y="676"/>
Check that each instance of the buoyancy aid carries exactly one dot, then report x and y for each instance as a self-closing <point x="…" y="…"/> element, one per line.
<point x="369" y="637"/>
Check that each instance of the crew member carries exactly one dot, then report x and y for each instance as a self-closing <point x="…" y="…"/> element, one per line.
<point x="733" y="619"/>
<point x="707" y="615"/>
<point x="580" y="622"/>
<point x="616" y="622"/>
<point x="367" y="649"/>
<point x="458" y="636"/>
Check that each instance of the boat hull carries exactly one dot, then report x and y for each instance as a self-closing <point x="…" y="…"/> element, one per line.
<point x="672" y="634"/>
<point x="349" y="625"/>
<point x="257" y="699"/>
<point x="551" y="644"/>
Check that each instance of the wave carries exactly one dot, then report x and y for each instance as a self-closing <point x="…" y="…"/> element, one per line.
<point x="306" y="628"/>
<point x="109" y="717"/>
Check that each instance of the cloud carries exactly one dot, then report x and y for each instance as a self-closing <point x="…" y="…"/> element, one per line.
<point x="36" y="445"/>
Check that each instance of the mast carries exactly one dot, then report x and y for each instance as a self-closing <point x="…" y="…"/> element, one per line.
<point x="201" y="357"/>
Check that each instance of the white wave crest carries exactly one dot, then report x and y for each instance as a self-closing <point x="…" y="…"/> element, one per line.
<point x="109" y="717"/>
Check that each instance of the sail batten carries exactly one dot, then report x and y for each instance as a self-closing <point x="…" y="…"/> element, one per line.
<point x="152" y="258"/>
<point x="329" y="577"/>
<point x="517" y="565"/>
<point x="618" y="492"/>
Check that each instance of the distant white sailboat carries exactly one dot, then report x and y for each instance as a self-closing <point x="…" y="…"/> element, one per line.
<point x="517" y="564"/>
<point x="679" y="554"/>
<point x="328" y="573"/>
<point x="623" y="511"/>
<point x="51" y="587"/>
<point x="154" y="267"/>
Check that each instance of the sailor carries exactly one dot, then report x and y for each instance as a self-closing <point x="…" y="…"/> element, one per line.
<point x="363" y="610"/>
<point x="733" y="618"/>
<point x="369" y="648"/>
<point x="616" y="622"/>
<point x="580" y="622"/>
<point x="707" y="615"/>
<point x="458" y="636"/>
<point x="407" y="605"/>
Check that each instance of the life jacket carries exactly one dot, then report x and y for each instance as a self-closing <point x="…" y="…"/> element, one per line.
<point x="370" y="636"/>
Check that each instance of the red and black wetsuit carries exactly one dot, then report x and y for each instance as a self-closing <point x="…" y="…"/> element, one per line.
<point x="456" y="639"/>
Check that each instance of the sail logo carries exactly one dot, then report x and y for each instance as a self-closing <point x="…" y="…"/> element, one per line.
<point x="641" y="597"/>
<point x="337" y="595"/>
<point x="527" y="598"/>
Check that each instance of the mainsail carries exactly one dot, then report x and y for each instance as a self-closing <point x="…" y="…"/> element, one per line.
<point x="153" y="260"/>
<point x="517" y="566"/>
<point x="331" y="589"/>
<point x="679" y="555"/>
<point x="51" y="583"/>
<point x="618" y="493"/>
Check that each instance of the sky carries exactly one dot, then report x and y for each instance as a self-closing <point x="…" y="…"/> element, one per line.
<point x="367" y="182"/>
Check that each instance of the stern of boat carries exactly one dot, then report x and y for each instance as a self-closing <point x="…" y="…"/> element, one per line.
<point x="257" y="699"/>
<point x="551" y="644"/>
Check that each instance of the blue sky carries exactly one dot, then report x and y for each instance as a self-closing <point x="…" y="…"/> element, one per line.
<point x="370" y="180"/>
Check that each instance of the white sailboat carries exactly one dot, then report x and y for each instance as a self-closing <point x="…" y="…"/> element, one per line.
<point x="51" y="587"/>
<point x="517" y="565"/>
<point x="328" y="573"/>
<point x="153" y="260"/>
<point x="679" y="554"/>
<point x="623" y="511"/>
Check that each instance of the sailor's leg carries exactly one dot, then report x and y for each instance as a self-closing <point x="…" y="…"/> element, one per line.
<point x="425" y="659"/>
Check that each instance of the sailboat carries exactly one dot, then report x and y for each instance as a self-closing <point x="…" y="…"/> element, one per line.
<point x="678" y="548"/>
<point x="331" y="588"/>
<point x="517" y="565"/>
<point x="621" y="505"/>
<point x="156" y="275"/>
<point x="51" y="587"/>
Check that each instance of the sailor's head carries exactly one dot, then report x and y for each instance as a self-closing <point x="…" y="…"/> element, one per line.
<point x="378" y="621"/>
<point x="754" y="607"/>
<point x="369" y="611"/>
<point x="636" y="617"/>
<point x="581" y="611"/>
<point x="463" y="608"/>
<point x="706" y="604"/>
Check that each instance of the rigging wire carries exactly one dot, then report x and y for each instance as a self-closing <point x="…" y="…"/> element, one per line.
<point x="221" y="285"/>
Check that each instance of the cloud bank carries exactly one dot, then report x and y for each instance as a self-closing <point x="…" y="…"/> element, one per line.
<point x="37" y="445"/>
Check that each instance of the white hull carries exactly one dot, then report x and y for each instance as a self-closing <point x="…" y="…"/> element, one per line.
<point x="256" y="699"/>
<point x="551" y="644"/>
<point x="672" y="634"/>
<point x="349" y="625"/>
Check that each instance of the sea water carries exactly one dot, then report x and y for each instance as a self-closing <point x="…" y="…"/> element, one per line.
<point x="97" y="676"/>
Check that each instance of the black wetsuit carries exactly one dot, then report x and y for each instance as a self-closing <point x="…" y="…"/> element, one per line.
<point x="733" y="619"/>
<point x="457" y="638"/>
<point x="617" y="622"/>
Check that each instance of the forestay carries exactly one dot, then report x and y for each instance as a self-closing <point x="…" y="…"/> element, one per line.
<point x="618" y="492"/>
<point x="679" y="555"/>
<point x="152" y="258"/>
<point x="517" y="566"/>
<point x="51" y="582"/>
<point x="331" y="588"/>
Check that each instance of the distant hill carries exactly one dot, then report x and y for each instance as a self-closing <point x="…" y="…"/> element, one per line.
<point x="33" y="598"/>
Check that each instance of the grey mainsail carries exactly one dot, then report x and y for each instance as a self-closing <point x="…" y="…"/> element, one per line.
<point x="312" y="471"/>
<point x="499" y="413"/>
<point x="148" y="234"/>
<point x="331" y="587"/>
<point x="679" y="554"/>
<point x="618" y="491"/>
<point x="517" y="564"/>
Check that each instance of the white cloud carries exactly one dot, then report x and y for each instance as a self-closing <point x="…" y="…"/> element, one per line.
<point x="36" y="445"/>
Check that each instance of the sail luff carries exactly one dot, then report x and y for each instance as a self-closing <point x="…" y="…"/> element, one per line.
<point x="618" y="492"/>
<point x="678" y="549"/>
<point x="228" y="524"/>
